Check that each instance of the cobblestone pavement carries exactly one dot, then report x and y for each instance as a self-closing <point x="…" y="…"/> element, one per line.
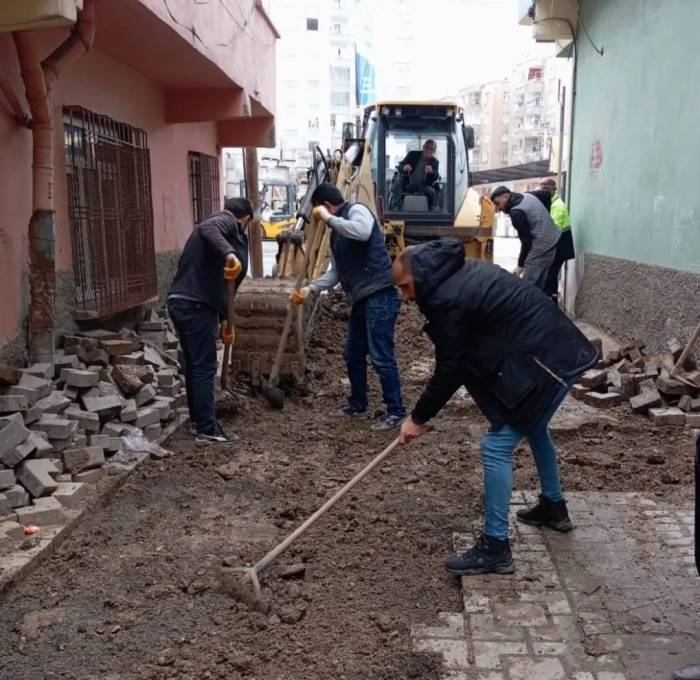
<point x="616" y="599"/>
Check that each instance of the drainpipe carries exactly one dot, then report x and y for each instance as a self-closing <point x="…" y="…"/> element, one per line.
<point x="39" y="77"/>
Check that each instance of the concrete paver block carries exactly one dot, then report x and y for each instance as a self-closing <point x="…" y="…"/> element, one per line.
<point x="536" y="669"/>
<point x="12" y="433"/>
<point x="44" y="512"/>
<point x="667" y="416"/>
<point x="146" y="416"/>
<point x="603" y="400"/>
<point x="32" y="414"/>
<point x="70" y="494"/>
<point x="41" y="386"/>
<point x="77" y="378"/>
<point x="132" y="359"/>
<point x="42" y="446"/>
<point x="30" y="394"/>
<point x="153" y="432"/>
<point x="106" y="407"/>
<point x="89" y="476"/>
<point x="37" y="476"/>
<point x="129" y="411"/>
<point x="454" y="652"/>
<point x="114" y="429"/>
<point x="118" y="346"/>
<point x="41" y="370"/>
<point x="56" y="402"/>
<point x="7" y="479"/>
<point x="646" y="399"/>
<point x="88" y="421"/>
<point x="595" y="377"/>
<point x="10" y="403"/>
<point x="17" y="496"/>
<point x="692" y="419"/>
<point x="57" y="428"/>
<point x="77" y="460"/>
<point x="163" y="408"/>
<point x="146" y="394"/>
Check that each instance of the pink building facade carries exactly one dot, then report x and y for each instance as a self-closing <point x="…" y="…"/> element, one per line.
<point x="139" y="122"/>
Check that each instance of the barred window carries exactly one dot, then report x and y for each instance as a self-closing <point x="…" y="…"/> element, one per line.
<point x="204" y="185"/>
<point x="110" y="211"/>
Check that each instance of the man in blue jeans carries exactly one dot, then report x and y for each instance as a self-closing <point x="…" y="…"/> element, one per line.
<point x="518" y="355"/>
<point x="216" y="251"/>
<point x="361" y="264"/>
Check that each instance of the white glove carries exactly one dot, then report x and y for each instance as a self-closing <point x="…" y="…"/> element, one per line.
<point x="518" y="271"/>
<point x="322" y="213"/>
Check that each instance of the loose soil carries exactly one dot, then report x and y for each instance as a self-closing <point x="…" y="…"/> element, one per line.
<point x="135" y="591"/>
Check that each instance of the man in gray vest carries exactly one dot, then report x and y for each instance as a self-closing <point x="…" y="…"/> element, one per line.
<point x="361" y="264"/>
<point x="537" y="233"/>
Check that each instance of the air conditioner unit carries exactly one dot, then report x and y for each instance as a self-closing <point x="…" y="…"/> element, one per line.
<point x="30" y="14"/>
<point x="555" y="20"/>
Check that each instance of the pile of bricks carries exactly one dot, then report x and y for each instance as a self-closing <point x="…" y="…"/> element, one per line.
<point x="646" y="382"/>
<point x="61" y="424"/>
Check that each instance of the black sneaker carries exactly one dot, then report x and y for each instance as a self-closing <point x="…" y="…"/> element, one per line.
<point x="350" y="411"/>
<point x="217" y="435"/>
<point x="546" y="513"/>
<point x="387" y="422"/>
<point x="488" y="555"/>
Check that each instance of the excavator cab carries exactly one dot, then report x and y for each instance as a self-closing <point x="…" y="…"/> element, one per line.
<point x="420" y="172"/>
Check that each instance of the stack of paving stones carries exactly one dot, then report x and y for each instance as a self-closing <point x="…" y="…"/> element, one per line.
<point x="61" y="425"/>
<point x="628" y="375"/>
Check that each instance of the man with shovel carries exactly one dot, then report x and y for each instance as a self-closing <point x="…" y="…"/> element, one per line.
<point x="518" y="355"/>
<point x="215" y="253"/>
<point x="361" y="264"/>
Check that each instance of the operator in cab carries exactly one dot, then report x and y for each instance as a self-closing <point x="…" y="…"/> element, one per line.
<point x="419" y="172"/>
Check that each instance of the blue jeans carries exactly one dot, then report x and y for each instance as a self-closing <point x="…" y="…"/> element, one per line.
<point x="497" y="448"/>
<point x="371" y="331"/>
<point x="197" y="326"/>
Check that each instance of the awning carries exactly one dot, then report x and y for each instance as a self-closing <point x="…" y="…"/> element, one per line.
<point x="513" y="173"/>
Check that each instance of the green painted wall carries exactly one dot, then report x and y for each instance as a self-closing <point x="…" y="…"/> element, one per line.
<point x="637" y="110"/>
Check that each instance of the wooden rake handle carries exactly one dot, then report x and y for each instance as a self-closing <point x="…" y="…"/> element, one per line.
<point x="279" y="549"/>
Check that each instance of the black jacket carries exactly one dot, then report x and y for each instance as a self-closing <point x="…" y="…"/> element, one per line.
<point x="500" y="337"/>
<point x="412" y="158"/>
<point x="200" y="273"/>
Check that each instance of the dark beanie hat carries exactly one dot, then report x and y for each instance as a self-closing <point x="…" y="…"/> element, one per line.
<point x="499" y="191"/>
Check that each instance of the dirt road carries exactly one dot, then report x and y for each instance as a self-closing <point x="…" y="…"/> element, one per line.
<point x="134" y="592"/>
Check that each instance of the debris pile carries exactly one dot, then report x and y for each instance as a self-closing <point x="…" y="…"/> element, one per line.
<point x="647" y="382"/>
<point x="104" y="400"/>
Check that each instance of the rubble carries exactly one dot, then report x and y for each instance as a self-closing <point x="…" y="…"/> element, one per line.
<point x="61" y="425"/>
<point x="645" y="382"/>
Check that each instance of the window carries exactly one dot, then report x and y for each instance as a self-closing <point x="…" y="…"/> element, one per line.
<point x="313" y="124"/>
<point x="333" y="121"/>
<point x="313" y="84"/>
<point x="504" y="153"/>
<point x="340" y="98"/>
<point x="204" y="185"/>
<point x="340" y="74"/>
<point x="484" y="155"/>
<point x="505" y="96"/>
<point x="474" y="99"/>
<point x="110" y="212"/>
<point x="312" y="24"/>
<point x="336" y="28"/>
<point x="534" y="74"/>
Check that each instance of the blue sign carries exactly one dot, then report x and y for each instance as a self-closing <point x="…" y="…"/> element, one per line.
<point x="365" y="81"/>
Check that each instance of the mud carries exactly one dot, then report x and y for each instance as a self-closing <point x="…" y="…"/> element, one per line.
<point x="135" y="592"/>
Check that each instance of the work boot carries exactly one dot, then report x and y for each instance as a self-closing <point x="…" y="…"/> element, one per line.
<point x="687" y="673"/>
<point x="217" y="435"/>
<point x="350" y="411"/>
<point x="546" y="513"/>
<point x="486" y="556"/>
<point x="387" y="422"/>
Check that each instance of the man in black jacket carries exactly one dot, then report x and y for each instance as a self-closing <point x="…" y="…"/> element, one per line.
<point x="518" y="355"/>
<point x="419" y="172"/>
<point x="215" y="252"/>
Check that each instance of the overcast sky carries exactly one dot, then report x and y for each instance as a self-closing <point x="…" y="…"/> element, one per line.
<point x="475" y="40"/>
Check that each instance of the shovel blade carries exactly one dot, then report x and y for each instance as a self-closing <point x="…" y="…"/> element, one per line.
<point x="273" y="393"/>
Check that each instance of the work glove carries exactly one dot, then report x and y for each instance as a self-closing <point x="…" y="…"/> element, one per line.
<point x="322" y="213"/>
<point x="518" y="271"/>
<point x="232" y="268"/>
<point x="298" y="296"/>
<point x="227" y="334"/>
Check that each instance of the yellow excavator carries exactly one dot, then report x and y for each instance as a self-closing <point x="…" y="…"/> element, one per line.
<point x="369" y="172"/>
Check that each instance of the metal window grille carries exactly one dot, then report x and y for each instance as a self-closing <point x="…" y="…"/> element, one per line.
<point x="204" y="183"/>
<point x="110" y="213"/>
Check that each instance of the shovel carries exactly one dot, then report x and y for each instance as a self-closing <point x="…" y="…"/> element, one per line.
<point x="226" y="363"/>
<point x="246" y="588"/>
<point x="270" y="387"/>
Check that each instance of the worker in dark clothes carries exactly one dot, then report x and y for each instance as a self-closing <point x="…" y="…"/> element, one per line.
<point x="518" y="355"/>
<point x="215" y="252"/>
<point x="361" y="264"/>
<point x="565" y="246"/>
<point x="537" y="233"/>
<point x="419" y="172"/>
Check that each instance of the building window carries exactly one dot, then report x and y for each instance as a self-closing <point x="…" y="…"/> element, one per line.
<point x="312" y="24"/>
<point x="110" y="211"/>
<point x="313" y="84"/>
<point x="475" y="99"/>
<point x="340" y="74"/>
<point x="333" y="121"/>
<point x="340" y="99"/>
<point x="204" y="185"/>
<point x="336" y="28"/>
<point x="534" y="74"/>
